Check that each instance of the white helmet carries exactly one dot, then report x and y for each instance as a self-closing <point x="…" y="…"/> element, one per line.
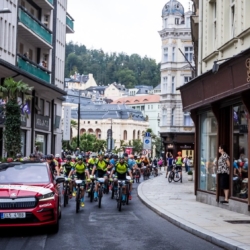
<point x="57" y="156"/>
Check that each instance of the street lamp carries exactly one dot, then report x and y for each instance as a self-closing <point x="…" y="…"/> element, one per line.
<point x="216" y="66"/>
<point x="5" y="11"/>
<point x="111" y="135"/>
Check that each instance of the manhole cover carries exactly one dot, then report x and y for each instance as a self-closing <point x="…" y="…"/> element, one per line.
<point x="238" y="221"/>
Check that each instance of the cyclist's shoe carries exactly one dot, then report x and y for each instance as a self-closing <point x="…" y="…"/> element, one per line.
<point x="89" y="190"/>
<point x="95" y="196"/>
<point x="74" y="194"/>
<point x="82" y="204"/>
<point x="130" y="197"/>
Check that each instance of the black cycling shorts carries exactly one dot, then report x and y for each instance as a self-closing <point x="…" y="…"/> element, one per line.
<point x="178" y="167"/>
<point x="100" y="173"/>
<point x="122" y="177"/>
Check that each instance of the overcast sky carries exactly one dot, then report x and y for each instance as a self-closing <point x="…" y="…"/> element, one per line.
<point x="129" y="26"/>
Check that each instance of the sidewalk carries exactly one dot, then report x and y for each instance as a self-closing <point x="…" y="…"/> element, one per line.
<point x="177" y="203"/>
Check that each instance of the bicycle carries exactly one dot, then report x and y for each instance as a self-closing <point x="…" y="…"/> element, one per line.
<point x="100" y="191"/>
<point x="66" y="190"/>
<point x="174" y="175"/>
<point x="78" y="194"/>
<point x="119" y="194"/>
<point x="91" y="189"/>
<point x="137" y="175"/>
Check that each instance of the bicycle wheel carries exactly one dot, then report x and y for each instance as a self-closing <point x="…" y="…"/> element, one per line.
<point x="177" y="176"/>
<point x="65" y="197"/>
<point x="91" y="193"/>
<point x="170" y="176"/>
<point x="127" y="194"/>
<point x="112" y="192"/>
<point x="100" y="197"/>
<point x="119" y="203"/>
<point x="78" y="198"/>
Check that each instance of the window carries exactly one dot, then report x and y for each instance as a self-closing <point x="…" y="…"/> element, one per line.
<point x="42" y="106"/>
<point x="125" y="135"/>
<point x="232" y="19"/>
<point x="215" y="23"/>
<point x="187" y="120"/>
<point x="142" y="108"/>
<point x="133" y="107"/>
<point x="31" y="54"/>
<point x="148" y="106"/>
<point x="164" y="117"/>
<point x="165" y="23"/>
<point x="164" y="84"/>
<point x="173" y="54"/>
<point x="173" y="85"/>
<point x="165" y="54"/>
<point x="176" y="21"/>
<point x="172" y="117"/>
<point x="187" y="79"/>
<point x="88" y="122"/>
<point x="207" y="152"/>
<point x="47" y="109"/>
<point x="96" y="122"/>
<point x="188" y="22"/>
<point x="240" y="152"/>
<point x="151" y="106"/>
<point x="189" y="53"/>
<point x="32" y="12"/>
<point x="21" y="48"/>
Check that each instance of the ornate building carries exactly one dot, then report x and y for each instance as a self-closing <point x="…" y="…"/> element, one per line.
<point x="176" y="127"/>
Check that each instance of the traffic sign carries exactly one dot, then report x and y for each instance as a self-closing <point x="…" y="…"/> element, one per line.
<point x="147" y="141"/>
<point x="147" y="134"/>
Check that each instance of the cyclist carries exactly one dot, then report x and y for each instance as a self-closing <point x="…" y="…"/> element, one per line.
<point x="100" y="168"/>
<point x="178" y="162"/>
<point x="81" y="171"/>
<point x="53" y="167"/>
<point x="59" y="160"/>
<point x="170" y="163"/>
<point x="121" y="170"/>
<point x="67" y="167"/>
<point x="92" y="162"/>
<point x="32" y="157"/>
<point x="155" y="165"/>
<point x="18" y="158"/>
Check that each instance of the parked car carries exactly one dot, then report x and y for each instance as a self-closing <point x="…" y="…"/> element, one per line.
<point x="29" y="195"/>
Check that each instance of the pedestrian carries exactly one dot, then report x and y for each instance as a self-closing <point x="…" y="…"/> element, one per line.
<point x="178" y="162"/>
<point x="186" y="162"/>
<point x="170" y="163"/>
<point x="223" y="172"/>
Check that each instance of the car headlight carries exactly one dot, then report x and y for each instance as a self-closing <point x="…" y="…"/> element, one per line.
<point x="46" y="197"/>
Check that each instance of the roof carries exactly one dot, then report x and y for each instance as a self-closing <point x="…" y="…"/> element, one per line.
<point x="158" y="86"/>
<point x="138" y="99"/>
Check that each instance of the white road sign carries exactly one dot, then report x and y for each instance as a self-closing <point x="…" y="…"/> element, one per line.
<point x="147" y="141"/>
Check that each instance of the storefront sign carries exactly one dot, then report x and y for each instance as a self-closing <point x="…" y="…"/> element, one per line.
<point x="66" y="123"/>
<point x="186" y="147"/>
<point x="170" y="145"/>
<point x="42" y="122"/>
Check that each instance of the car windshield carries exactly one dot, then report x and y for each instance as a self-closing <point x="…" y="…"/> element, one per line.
<point x="25" y="173"/>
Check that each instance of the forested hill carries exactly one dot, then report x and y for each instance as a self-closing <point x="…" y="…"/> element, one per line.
<point x="111" y="67"/>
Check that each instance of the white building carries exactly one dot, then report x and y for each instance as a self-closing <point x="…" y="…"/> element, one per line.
<point x="115" y="90"/>
<point x="32" y="49"/>
<point x="149" y="105"/>
<point x="176" y="127"/>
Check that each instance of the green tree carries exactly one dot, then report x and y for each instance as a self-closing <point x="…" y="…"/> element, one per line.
<point x="137" y="146"/>
<point x="12" y="132"/>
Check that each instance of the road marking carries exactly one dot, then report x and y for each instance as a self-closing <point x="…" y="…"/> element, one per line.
<point x="127" y="216"/>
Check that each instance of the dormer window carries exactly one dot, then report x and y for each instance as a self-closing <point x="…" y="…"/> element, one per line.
<point x="177" y="20"/>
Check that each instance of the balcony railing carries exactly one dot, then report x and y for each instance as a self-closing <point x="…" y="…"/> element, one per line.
<point x="35" y="25"/>
<point x="70" y="22"/>
<point x="33" y="69"/>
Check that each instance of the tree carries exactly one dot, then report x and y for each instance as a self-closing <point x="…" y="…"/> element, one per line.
<point x="137" y="146"/>
<point x="12" y="132"/>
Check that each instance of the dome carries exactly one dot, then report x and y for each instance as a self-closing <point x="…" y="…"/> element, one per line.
<point x="173" y="7"/>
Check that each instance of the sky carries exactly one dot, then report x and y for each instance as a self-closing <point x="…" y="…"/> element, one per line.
<point x="129" y="26"/>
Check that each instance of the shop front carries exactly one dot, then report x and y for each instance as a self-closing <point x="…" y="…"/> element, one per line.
<point x="220" y="111"/>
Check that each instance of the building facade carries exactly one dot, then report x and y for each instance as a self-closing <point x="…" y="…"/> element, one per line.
<point x="32" y="49"/>
<point x="220" y="106"/>
<point x="149" y="105"/>
<point x="115" y="91"/>
<point x="176" y="126"/>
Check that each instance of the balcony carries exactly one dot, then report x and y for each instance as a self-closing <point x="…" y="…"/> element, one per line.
<point x="33" y="30"/>
<point x="33" y="69"/>
<point x="45" y="4"/>
<point x="69" y="24"/>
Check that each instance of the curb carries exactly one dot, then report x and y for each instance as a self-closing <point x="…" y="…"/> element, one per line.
<point x="210" y="237"/>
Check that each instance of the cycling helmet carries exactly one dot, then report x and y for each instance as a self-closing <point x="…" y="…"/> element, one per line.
<point x="57" y="156"/>
<point x="94" y="155"/>
<point x="18" y="155"/>
<point x="79" y="158"/>
<point x="115" y="157"/>
<point x="49" y="157"/>
<point x="68" y="158"/>
<point x="32" y="156"/>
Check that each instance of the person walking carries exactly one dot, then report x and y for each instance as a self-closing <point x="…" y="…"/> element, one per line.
<point x="223" y="172"/>
<point x="186" y="162"/>
<point x="170" y="163"/>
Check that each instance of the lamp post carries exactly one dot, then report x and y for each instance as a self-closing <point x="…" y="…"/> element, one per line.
<point x="5" y="11"/>
<point x="78" y="128"/>
<point x="110" y="136"/>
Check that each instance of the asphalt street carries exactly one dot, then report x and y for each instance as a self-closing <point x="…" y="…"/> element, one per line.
<point x="135" y="227"/>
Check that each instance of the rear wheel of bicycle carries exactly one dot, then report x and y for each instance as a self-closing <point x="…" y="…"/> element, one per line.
<point x="127" y="194"/>
<point x="177" y="176"/>
<point x="78" y="199"/>
<point x="112" y="192"/>
<point x="91" y="193"/>
<point x="66" y="197"/>
<point x="170" y="176"/>
<point x="100" y="197"/>
<point x="119" y="203"/>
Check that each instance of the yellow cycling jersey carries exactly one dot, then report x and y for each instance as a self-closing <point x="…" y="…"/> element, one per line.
<point x="102" y="165"/>
<point x="56" y="162"/>
<point x="80" y="168"/>
<point x="121" y="168"/>
<point x="92" y="161"/>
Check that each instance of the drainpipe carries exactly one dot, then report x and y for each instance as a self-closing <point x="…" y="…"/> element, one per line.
<point x="33" y="120"/>
<point x="200" y="39"/>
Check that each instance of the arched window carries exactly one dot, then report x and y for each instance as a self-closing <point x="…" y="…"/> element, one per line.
<point x="90" y="131"/>
<point x="138" y="134"/>
<point x="134" y="135"/>
<point x="125" y="135"/>
<point x="98" y="133"/>
<point x="82" y="131"/>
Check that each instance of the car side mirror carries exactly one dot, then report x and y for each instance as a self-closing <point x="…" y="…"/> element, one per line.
<point x="59" y="179"/>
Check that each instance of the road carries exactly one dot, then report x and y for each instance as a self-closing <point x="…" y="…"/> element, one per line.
<point x="136" y="227"/>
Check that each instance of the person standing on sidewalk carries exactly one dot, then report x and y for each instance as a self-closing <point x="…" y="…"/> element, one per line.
<point x="223" y="172"/>
<point x="170" y="163"/>
<point x="186" y="161"/>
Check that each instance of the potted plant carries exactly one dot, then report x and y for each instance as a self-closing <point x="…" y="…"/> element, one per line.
<point x="190" y="175"/>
